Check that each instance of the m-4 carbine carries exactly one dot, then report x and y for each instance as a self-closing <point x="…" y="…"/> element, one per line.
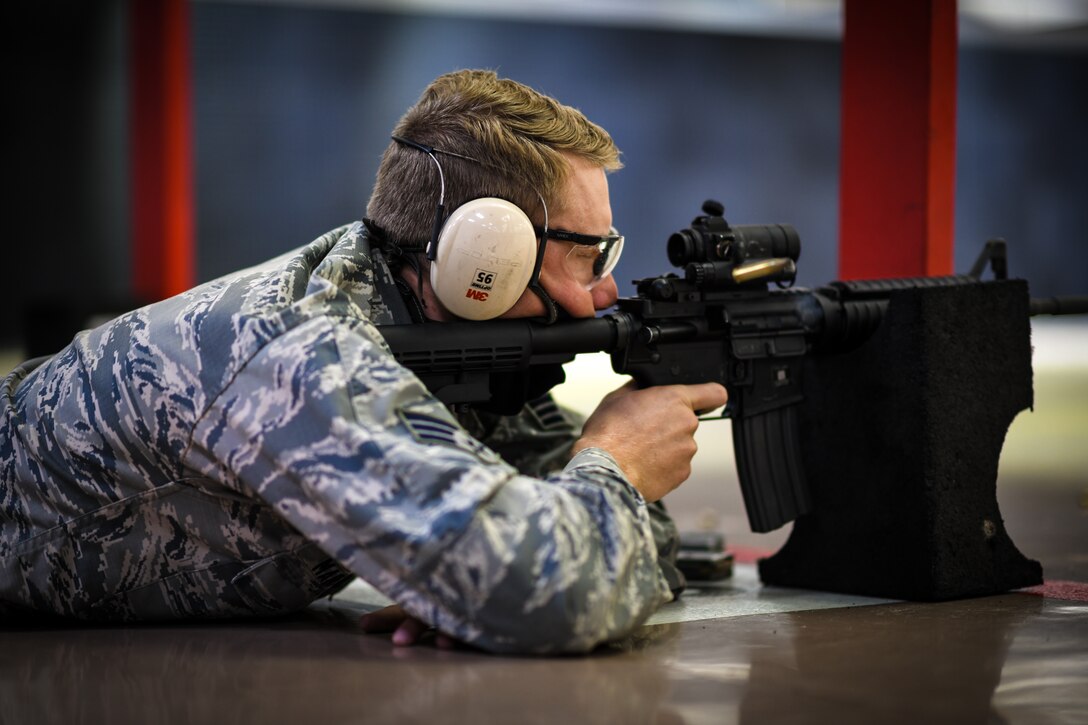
<point x="733" y="317"/>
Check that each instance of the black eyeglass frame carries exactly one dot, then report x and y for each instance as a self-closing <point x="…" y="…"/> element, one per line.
<point x="605" y="243"/>
<point x="590" y="240"/>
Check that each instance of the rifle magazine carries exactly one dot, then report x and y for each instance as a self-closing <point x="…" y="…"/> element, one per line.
<point x="769" y="465"/>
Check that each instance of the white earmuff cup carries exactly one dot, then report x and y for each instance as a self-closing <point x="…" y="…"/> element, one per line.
<point x="486" y="253"/>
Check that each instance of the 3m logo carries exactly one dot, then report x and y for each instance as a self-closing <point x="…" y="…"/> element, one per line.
<point x="477" y="295"/>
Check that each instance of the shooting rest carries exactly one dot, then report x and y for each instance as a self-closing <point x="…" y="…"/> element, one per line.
<point x="901" y="441"/>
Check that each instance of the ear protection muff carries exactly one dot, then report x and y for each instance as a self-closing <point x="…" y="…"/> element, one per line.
<point x="485" y="254"/>
<point x="484" y="258"/>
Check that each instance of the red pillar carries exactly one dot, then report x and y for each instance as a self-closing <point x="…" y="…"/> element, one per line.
<point x="897" y="185"/>
<point x="160" y="149"/>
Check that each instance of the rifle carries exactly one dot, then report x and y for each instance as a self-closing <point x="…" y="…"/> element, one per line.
<point x="721" y="321"/>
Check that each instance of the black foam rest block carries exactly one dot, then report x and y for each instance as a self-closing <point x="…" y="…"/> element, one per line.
<point x="901" y="442"/>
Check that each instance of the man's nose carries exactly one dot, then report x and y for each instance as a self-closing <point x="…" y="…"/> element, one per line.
<point x="605" y="293"/>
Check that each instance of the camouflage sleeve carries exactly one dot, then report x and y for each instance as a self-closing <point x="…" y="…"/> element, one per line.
<point x="538" y="441"/>
<point x="351" y="449"/>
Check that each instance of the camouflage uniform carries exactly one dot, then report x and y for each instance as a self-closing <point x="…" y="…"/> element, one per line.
<point x="251" y="445"/>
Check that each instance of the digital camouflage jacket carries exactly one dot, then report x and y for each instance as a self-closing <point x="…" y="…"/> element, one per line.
<point x="249" y="446"/>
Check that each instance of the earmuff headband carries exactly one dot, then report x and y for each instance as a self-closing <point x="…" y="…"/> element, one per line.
<point x="440" y="209"/>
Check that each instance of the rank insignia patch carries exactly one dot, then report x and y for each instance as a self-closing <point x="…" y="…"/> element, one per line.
<point x="436" y="431"/>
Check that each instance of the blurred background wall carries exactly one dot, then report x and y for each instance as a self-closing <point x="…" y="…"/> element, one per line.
<point x="293" y="103"/>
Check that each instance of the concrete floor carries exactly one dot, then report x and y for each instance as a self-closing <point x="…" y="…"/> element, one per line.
<point x="734" y="652"/>
<point x="1016" y="658"/>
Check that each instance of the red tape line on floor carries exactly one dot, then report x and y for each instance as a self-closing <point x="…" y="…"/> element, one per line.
<point x="1070" y="591"/>
<point x="748" y="554"/>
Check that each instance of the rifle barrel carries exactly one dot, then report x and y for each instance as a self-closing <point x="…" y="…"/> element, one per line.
<point x="1073" y="305"/>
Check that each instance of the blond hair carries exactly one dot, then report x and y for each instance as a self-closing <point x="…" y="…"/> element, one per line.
<point x="516" y="135"/>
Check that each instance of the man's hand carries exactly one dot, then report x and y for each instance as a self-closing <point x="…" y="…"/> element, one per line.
<point x="407" y="630"/>
<point x="651" y="432"/>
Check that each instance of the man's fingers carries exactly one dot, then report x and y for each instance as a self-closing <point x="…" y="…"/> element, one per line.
<point x="406" y="629"/>
<point x="444" y="641"/>
<point x="705" y="397"/>
<point x="409" y="632"/>
<point x="385" y="619"/>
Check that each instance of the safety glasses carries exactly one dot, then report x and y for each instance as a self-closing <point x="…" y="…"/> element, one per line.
<point x="591" y="257"/>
